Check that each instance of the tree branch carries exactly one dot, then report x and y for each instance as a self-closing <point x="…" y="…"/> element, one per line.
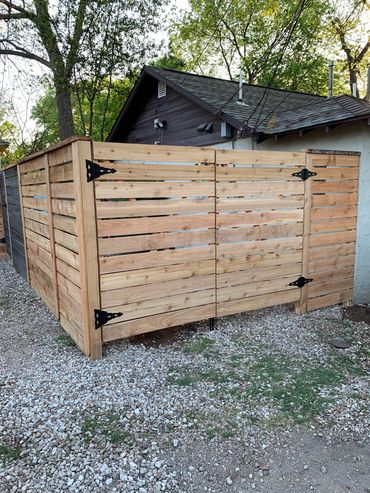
<point x="26" y="14"/>
<point x="78" y="31"/>
<point x="363" y="52"/>
<point x="24" y="54"/>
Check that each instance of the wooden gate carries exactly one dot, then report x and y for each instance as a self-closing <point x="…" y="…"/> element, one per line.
<point x="260" y="207"/>
<point x="156" y="236"/>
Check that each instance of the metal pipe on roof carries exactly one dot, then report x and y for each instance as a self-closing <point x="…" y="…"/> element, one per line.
<point x="331" y="78"/>
<point x="240" y="98"/>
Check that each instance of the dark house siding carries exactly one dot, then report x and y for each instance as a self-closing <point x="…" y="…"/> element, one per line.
<point x="182" y="118"/>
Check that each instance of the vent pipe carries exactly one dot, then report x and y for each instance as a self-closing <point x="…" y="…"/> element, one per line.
<point x="331" y="79"/>
<point x="240" y="98"/>
<point x="354" y="90"/>
<point x="368" y="84"/>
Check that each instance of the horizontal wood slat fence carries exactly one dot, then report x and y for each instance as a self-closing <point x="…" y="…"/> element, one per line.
<point x="123" y="239"/>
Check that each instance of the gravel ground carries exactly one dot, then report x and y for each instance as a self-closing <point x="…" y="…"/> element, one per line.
<point x="262" y="403"/>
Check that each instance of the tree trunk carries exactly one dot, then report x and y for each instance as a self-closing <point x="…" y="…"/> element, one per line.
<point x="64" y="106"/>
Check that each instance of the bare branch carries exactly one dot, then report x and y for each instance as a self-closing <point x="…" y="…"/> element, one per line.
<point x="24" y="54"/>
<point x="21" y="10"/>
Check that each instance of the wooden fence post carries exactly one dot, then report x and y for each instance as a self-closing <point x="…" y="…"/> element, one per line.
<point x="301" y="306"/>
<point x="23" y="223"/>
<point x="52" y="236"/>
<point x="88" y="248"/>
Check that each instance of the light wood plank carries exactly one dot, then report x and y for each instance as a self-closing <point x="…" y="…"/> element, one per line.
<point x="333" y="212"/>
<point x="163" y="305"/>
<point x="157" y="290"/>
<point x="155" y="154"/>
<point x="345" y="224"/>
<point x="341" y="186"/>
<point x="329" y="300"/>
<point x="257" y="302"/>
<point x="259" y="157"/>
<point x="147" y="276"/>
<point x="259" y="218"/>
<point x="117" y="227"/>
<point x="263" y="203"/>
<point x="144" y="172"/>
<point x="134" y="208"/>
<point x="120" y="263"/>
<point x="333" y="238"/>
<point x="155" y="322"/>
<point x="110" y="246"/>
<point x="259" y="232"/>
<point x="227" y="189"/>
<point x="142" y="189"/>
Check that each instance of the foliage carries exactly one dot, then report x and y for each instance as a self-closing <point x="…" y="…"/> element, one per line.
<point x="349" y="25"/>
<point x="88" y="40"/>
<point x="96" y="121"/>
<point x="252" y="35"/>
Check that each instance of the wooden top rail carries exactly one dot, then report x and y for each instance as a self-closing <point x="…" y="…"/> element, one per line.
<point x="53" y="147"/>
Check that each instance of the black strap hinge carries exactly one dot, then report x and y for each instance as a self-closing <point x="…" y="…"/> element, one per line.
<point x="102" y="317"/>
<point x="2" y="240"/>
<point x="304" y="174"/>
<point x="300" y="282"/>
<point x="94" y="170"/>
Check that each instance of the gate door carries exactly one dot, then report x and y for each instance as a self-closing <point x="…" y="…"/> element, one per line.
<point x="260" y="207"/>
<point x="156" y="229"/>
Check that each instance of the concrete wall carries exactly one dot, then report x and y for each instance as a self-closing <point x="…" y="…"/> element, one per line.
<point x="350" y="137"/>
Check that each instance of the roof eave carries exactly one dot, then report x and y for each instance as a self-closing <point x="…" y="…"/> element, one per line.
<point x="312" y="127"/>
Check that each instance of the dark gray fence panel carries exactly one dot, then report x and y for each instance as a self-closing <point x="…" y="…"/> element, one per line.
<point x="13" y="221"/>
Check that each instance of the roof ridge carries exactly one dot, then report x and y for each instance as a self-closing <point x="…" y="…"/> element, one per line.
<point x="233" y="81"/>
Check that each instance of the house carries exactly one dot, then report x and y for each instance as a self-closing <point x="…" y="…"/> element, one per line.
<point x="169" y="107"/>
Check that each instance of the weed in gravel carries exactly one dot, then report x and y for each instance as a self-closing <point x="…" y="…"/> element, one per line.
<point x="203" y="346"/>
<point x="180" y="376"/>
<point x="105" y="427"/>
<point x="5" y="301"/>
<point x="65" y="340"/>
<point x="7" y="452"/>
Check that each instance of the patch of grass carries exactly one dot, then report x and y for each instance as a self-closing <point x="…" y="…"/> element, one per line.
<point x="7" y="452"/>
<point x="105" y="426"/>
<point x="203" y="346"/>
<point x="5" y="301"/>
<point x="66" y="340"/>
<point x="181" y="376"/>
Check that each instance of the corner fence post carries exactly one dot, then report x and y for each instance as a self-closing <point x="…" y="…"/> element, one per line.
<point x="301" y="306"/>
<point x="88" y="248"/>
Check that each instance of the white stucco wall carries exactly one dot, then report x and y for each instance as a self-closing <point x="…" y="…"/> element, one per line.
<point x="349" y="137"/>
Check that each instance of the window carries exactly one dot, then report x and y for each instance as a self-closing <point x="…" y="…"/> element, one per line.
<point x="162" y="88"/>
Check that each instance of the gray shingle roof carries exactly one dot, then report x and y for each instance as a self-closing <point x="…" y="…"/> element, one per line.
<point x="270" y="112"/>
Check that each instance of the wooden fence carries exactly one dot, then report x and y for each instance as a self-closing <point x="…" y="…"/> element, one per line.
<point x="12" y="219"/>
<point x="123" y="239"/>
<point x="2" y="231"/>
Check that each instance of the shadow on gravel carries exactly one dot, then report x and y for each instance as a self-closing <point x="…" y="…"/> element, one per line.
<point x="357" y="313"/>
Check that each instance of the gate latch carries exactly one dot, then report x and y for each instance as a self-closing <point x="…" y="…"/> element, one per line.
<point x="94" y="170"/>
<point x="102" y="317"/>
<point x="304" y="174"/>
<point x="300" y="282"/>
